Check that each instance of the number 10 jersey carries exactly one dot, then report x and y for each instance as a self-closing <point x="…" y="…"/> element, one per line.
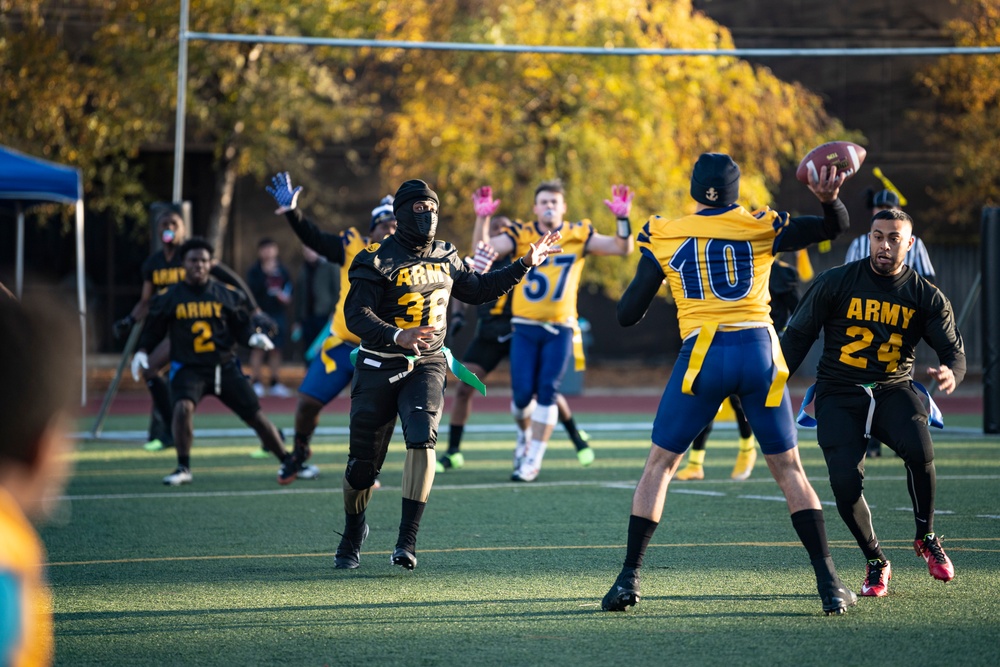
<point x="717" y="263"/>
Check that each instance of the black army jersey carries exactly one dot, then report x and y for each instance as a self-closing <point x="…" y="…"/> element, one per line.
<point x="871" y="324"/>
<point x="163" y="272"/>
<point x="393" y="288"/>
<point x="205" y="322"/>
<point x="494" y="316"/>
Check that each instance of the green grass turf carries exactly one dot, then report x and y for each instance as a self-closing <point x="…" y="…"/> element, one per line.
<point x="235" y="570"/>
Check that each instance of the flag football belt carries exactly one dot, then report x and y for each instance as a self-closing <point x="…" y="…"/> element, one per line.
<point x="579" y="360"/>
<point x="935" y="416"/>
<point x="456" y="366"/>
<point x="704" y="341"/>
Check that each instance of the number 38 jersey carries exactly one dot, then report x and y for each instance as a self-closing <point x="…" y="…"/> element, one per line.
<point x="717" y="263"/>
<point x="549" y="291"/>
<point x="205" y="322"/>
<point x="393" y="288"/>
<point x="872" y="323"/>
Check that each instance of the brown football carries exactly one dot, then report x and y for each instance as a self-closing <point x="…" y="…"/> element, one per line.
<point x="844" y="155"/>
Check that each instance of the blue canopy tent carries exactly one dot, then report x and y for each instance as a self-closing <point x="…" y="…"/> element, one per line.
<point x="26" y="181"/>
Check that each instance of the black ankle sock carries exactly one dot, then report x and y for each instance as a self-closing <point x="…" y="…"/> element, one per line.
<point x="302" y="445"/>
<point x="811" y="527"/>
<point x="574" y="433"/>
<point x="455" y="432"/>
<point x="640" y="532"/>
<point x="354" y="522"/>
<point x="409" y="524"/>
<point x="184" y="461"/>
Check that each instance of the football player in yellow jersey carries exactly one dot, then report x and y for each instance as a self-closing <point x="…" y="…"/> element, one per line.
<point x="36" y="416"/>
<point x="331" y="370"/>
<point x="717" y="263"/>
<point x="544" y="312"/>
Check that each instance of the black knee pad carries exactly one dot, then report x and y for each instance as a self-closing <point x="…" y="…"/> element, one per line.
<point x="420" y="431"/>
<point x="360" y="474"/>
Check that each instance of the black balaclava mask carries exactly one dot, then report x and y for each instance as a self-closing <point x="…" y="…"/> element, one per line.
<point x="414" y="230"/>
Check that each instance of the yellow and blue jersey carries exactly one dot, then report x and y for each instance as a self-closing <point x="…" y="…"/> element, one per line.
<point x="354" y="243"/>
<point x="26" y="634"/>
<point x="717" y="263"/>
<point x="548" y="293"/>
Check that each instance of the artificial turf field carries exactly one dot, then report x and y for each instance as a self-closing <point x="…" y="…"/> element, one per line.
<point x="235" y="570"/>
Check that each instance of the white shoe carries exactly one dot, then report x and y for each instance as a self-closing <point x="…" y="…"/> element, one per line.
<point x="259" y="389"/>
<point x="520" y="449"/>
<point x="531" y="465"/>
<point x="180" y="476"/>
<point x="280" y="390"/>
<point x="308" y="472"/>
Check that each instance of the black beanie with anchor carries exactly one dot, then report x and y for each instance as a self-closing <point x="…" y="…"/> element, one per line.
<point x="715" y="180"/>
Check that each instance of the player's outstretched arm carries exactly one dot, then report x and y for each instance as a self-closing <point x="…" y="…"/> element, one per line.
<point x="622" y="242"/>
<point x="639" y="294"/>
<point x="326" y="244"/>
<point x="485" y="207"/>
<point x="541" y="249"/>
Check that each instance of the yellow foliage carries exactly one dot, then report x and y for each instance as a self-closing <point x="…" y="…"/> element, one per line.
<point x="512" y="120"/>
<point x="966" y="122"/>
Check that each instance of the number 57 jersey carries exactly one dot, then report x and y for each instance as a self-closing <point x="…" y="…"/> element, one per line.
<point x="548" y="293"/>
<point x="717" y="263"/>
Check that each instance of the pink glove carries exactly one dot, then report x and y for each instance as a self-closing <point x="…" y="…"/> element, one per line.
<point x="483" y="258"/>
<point x="484" y="203"/>
<point x="621" y="200"/>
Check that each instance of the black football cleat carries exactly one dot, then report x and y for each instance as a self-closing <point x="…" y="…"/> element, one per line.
<point x="835" y="596"/>
<point x="403" y="558"/>
<point x="348" y="556"/>
<point x="625" y="591"/>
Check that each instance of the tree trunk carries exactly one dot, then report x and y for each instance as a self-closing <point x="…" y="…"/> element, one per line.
<point x="225" y="185"/>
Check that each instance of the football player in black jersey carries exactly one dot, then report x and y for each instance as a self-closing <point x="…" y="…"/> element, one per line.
<point x="205" y="319"/>
<point x="398" y="306"/>
<point x="160" y="270"/>
<point x="873" y="312"/>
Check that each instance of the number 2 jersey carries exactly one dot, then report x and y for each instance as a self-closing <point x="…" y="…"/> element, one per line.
<point x="205" y="322"/>
<point x="393" y="288"/>
<point x="871" y="325"/>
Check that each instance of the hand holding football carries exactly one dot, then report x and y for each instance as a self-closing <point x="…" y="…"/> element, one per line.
<point x="847" y="157"/>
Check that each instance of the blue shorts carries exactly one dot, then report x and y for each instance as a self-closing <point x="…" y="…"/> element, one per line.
<point x="737" y="362"/>
<point x="330" y="371"/>
<point x="538" y="361"/>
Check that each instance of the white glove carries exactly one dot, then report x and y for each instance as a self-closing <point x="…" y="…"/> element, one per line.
<point x="140" y="360"/>
<point x="261" y="342"/>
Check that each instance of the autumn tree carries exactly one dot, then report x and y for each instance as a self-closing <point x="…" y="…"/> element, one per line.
<point x="515" y="119"/>
<point x="63" y="105"/>
<point x="967" y="120"/>
<point x="261" y="107"/>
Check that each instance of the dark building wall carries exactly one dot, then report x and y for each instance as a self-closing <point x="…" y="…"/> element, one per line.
<point x="874" y="95"/>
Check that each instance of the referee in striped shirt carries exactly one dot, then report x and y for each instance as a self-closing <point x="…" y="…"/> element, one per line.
<point x="916" y="258"/>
